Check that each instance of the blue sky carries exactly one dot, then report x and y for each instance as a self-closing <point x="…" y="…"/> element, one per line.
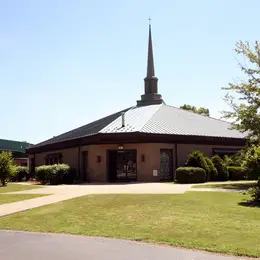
<point x="66" y="63"/>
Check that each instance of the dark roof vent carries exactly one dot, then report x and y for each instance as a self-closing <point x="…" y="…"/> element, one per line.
<point x="123" y="119"/>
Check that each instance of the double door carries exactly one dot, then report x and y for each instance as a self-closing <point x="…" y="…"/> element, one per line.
<point x="122" y="165"/>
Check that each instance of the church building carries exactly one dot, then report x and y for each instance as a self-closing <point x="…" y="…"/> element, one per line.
<point x="145" y="142"/>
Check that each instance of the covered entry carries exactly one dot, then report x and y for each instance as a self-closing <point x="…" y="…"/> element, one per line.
<point x="122" y="165"/>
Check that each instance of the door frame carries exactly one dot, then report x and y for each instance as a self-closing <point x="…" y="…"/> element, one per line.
<point x="171" y="176"/>
<point x="108" y="162"/>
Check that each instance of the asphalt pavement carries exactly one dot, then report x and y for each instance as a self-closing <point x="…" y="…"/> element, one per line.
<point x="41" y="246"/>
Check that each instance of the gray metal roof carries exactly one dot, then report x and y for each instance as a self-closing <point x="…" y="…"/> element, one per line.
<point x="88" y="129"/>
<point x="157" y="119"/>
<point x="164" y="119"/>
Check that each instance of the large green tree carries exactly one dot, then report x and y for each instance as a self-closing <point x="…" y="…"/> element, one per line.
<point x="243" y="97"/>
<point x="199" y="110"/>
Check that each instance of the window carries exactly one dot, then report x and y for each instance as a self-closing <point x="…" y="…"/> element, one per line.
<point x="55" y="158"/>
<point x="224" y="151"/>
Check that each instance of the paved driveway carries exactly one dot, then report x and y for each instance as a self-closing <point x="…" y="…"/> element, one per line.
<point x="65" y="192"/>
<point x="30" y="246"/>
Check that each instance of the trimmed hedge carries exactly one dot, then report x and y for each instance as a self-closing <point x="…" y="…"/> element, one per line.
<point x="212" y="176"/>
<point x="190" y="175"/>
<point x="197" y="159"/>
<point x="55" y="174"/>
<point x="20" y="173"/>
<point x="236" y="173"/>
<point x="221" y="168"/>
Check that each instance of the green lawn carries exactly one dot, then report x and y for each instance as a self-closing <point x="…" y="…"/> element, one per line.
<point x="8" y="198"/>
<point x="209" y="221"/>
<point x="17" y="187"/>
<point x="235" y="185"/>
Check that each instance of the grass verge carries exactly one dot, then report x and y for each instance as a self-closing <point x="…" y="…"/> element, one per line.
<point x="233" y="186"/>
<point x="8" y="198"/>
<point x="17" y="187"/>
<point x="209" y="221"/>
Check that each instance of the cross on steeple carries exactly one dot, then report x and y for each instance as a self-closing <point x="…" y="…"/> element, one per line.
<point x="149" y="19"/>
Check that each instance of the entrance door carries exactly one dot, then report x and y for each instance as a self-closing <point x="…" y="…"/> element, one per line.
<point x="122" y="165"/>
<point x="166" y="169"/>
<point x="112" y="158"/>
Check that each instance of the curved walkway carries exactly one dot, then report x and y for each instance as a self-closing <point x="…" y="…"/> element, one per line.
<point x="65" y="192"/>
<point x="29" y="246"/>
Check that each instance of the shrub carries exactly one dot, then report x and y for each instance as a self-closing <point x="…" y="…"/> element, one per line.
<point x="6" y="166"/>
<point x="190" y="175"/>
<point x="252" y="162"/>
<point x="227" y="160"/>
<point x="255" y="191"/>
<point x="12" y="175"/>
<point x="43" y="172"/>
<point x="197" y="159"/>
<point x="58" y="174"/>
<point x="236" y="173"/>
<point x="238" y="158"/>
<point x="221" y="168"/>
<point x="55" y="174"/>
<point x="20" y="173"/>
<point x="212" y="176"/>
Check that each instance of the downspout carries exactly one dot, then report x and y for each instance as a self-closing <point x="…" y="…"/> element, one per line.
<point x="176" y="158"/>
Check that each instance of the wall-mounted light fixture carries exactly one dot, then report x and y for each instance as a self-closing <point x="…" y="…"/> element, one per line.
<point x="120" y="147"/>
<point x="143" y="158"/>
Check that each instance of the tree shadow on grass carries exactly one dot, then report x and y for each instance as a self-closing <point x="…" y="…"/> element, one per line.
<point x="250" y="203"/>
<point x="235" y="186"/>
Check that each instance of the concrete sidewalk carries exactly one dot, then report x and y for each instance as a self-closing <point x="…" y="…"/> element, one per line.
<point x="132" y="188"/>
<point x="14" y="207"/>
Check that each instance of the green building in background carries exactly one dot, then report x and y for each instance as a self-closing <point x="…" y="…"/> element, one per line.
<point x="17" y="148"/>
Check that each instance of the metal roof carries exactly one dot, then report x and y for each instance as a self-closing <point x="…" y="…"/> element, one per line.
<point x="13" y="146"/>
<point x="88" y="129"/>
<point x="156" y="119"/>
<point x="164" y="119"/>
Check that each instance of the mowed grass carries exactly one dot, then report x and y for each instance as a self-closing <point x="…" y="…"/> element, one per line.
<point x="8" y="198"/>
<point x="17" y="187"/>
<point x="211" y="221"/>
<point x="234" y="186"/>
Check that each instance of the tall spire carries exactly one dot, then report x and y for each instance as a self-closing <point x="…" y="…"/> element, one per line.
<point x="150" y="63"/>
<point x="150" y="96"/>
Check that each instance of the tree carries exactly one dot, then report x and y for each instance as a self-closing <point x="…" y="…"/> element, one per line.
<point x="199" y="110"/>
<point x="221" y="168"/>
<point x="252" y="162"/>
<point x="245" y="98"/>
<point x="212" y="170"/>
<point x="6" y="166"/>
<point x="197" y="159"/>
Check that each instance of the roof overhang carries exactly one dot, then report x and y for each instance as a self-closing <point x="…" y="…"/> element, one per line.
<point x="136" y="137"/>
